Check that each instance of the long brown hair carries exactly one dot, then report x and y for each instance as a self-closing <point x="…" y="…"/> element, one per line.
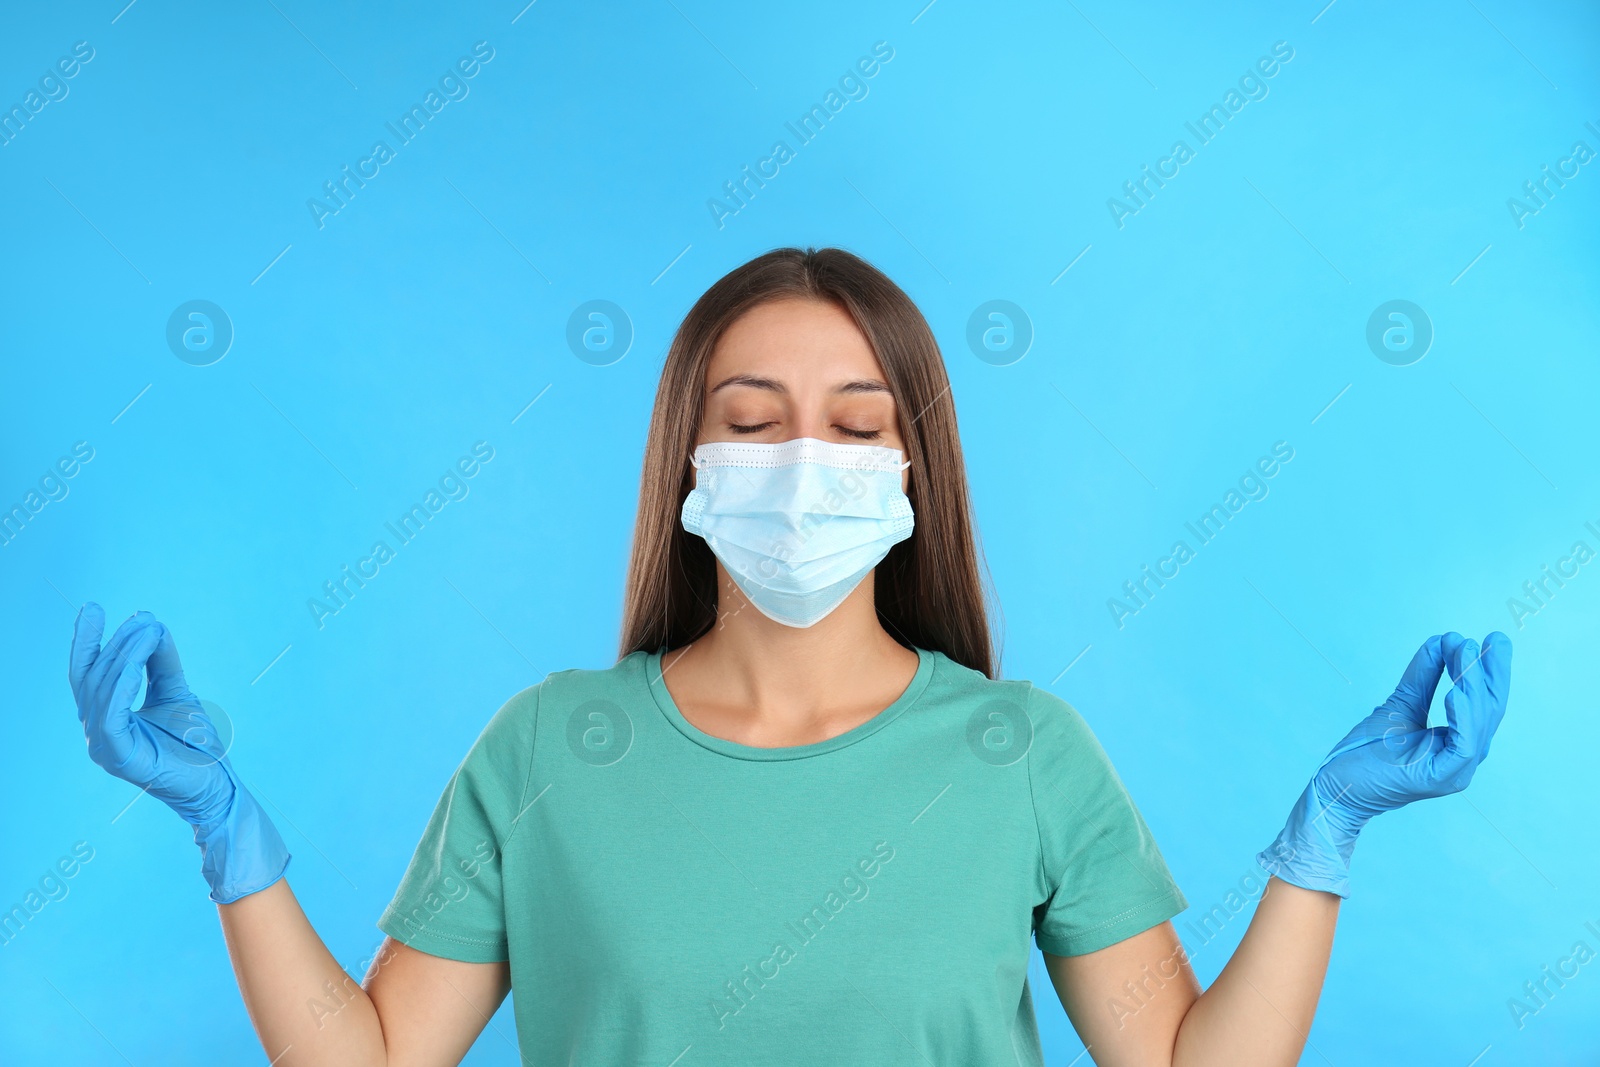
<point x="929" y="590"/>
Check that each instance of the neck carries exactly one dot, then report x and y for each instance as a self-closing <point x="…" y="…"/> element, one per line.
<point x="785" y="678"/>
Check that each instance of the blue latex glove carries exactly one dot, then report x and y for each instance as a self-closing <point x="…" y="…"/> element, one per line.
<point x="1392" y="757"/>
<point x="170" y="748"/>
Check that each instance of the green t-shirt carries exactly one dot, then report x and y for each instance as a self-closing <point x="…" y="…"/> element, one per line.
<point x="669" y="897"/>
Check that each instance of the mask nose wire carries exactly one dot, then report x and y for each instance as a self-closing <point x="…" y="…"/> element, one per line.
<point x="693" y="462"/>
<point x="700" y="467"/>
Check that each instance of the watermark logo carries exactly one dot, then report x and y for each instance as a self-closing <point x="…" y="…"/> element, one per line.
<point x="599" y="333"/>
<point x="599" y="733"/>
<point x="999" y="333"/>
<point x="999" y="733"/>
<point x="209" y="735"/>
<point x="199" y="333"/>
<point x="1399" y="332"/>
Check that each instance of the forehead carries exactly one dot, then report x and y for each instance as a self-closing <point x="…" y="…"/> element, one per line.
<point x="794" y="340"/>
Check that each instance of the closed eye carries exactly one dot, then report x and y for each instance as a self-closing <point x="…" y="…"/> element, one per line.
<point x="865" y="435"/>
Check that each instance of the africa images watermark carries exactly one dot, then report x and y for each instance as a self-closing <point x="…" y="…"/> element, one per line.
<point x="452" y="486"/>
<point x="1537" y="594"/>
<point x="852" y="86"/>
<point x="53" y="88"/>
<point x="52" y="885"/>
<point x="454" y="890"/>
<point x="52" y="487"/>
<point x="1537" y="994"/>
<point x="1536" y="195"/>
<point x="452" y="87"/>
<point x="743" y="987"/>
<point x="1252" y="86"/>
<point x="1136" y="996"/>
<point x="1252" y="486"/>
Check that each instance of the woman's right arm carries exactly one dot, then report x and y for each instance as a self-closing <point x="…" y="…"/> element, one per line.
<point x="415" y="1010"/>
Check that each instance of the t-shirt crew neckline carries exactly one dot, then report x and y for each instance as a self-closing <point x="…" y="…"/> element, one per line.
<point x="669" y="709"/>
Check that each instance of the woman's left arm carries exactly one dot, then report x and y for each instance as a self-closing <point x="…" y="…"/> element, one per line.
<point x="1138" y="1003"/>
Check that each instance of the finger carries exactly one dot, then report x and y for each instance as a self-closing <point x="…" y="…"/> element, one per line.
<point x="1466" y="708"/>
<point x="1497" y="669"/>
<point x="1466" y="670"/>
<point x="111" y="720"/>
<point x="1494" y="669"/>
<point x="1450" y="644"/>
<point x="106" y="665"/>
<point x="165" y="672"/>
<point x="87" y="630"/>
<point x="1414" y="694"/>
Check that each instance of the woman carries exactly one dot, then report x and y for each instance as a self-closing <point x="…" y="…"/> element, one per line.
<point x="799" y="820"/>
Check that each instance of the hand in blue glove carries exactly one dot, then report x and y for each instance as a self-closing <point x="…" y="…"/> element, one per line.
<point x="170" y="749"/>
<point x="1392" y="757"/>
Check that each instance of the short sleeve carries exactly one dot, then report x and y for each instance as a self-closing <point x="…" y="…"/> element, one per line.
<point x="451" y="900"/>
<point x="1104" y="876"/>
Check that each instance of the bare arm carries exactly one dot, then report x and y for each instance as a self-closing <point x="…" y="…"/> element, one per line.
<point x="414" y="1010"/>
<point x="1259" y="1009"/>
<point x="1137" y="1003"/>
<point x="1128" y="1000"/>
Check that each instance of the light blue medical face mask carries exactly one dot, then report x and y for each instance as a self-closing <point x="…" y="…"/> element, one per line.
<point x="798" y="524"/>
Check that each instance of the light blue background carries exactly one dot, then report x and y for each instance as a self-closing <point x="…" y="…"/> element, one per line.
<point x="1223" y="317"/>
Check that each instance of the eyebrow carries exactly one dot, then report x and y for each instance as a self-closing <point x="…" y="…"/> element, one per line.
<point x="855" y="385"/>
